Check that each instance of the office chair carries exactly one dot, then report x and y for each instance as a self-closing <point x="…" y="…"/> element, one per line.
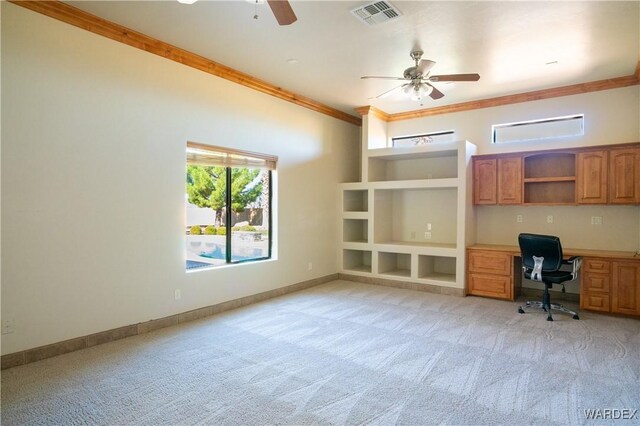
<point x="541" y="261"/>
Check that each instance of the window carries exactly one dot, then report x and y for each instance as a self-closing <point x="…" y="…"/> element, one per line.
<point x="556" y="127"/>
<point x="228" y="202"/>
<point x="446" y="136"/>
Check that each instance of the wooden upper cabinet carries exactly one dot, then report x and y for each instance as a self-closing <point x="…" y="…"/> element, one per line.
<point x="510" y="180"/>
<point x="624" y="185"/>
<point x="625" y="288"/>
<point x="485" y="181"/>
<point x="592" y="177"/>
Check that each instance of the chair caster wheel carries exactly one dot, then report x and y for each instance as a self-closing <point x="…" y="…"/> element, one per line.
<point x="520" y="311"/>
<point x="576" y="317"/>
<point x="549" y="318"/>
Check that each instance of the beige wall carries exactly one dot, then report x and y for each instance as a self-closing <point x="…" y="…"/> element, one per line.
<point x="93" y="161"/>
<point x="611" y="117"/>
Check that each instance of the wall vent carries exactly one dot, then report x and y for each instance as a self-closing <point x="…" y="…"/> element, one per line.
<point x="376" y="13"/>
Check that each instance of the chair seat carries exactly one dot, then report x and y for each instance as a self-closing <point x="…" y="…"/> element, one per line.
<point x="555" y="277"/>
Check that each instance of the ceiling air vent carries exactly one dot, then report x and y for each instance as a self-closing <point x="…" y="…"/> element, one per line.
<point x="376" y="13"/>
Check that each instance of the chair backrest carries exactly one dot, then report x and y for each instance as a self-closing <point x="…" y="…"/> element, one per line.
<point x="546" y="246"/>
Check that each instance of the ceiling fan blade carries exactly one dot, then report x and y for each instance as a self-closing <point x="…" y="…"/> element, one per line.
<point x="388" y="92"/>
<point x="384" y="78"/>
<point x="455" y="77"/>
<point x="435" y="93"/>
<point x="424" y="66"/>
<point x="282" y="11"/>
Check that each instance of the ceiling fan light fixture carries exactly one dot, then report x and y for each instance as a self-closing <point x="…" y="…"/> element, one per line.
<point x="419" y="91"/>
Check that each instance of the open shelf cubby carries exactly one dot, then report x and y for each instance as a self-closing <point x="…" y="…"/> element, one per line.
<point x="557" y="192"/>
<point x="355" y="200"/>
<point x="437" y="165"/>
<point x="550" y="178"/>
<point x="403" y="215"/>
<point x="437" y="268"/>
<point x="550" y="165"/>
<point x="355" y="230"/>
<point x="356" y="260"/>
<point x="397" y="264"/>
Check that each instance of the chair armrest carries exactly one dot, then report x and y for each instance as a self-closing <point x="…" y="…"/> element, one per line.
<point x="576" y="261"/>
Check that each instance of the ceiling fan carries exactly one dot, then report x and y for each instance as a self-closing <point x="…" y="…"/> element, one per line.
<point x="418" y="79"/>
<point x="281" y="10"/>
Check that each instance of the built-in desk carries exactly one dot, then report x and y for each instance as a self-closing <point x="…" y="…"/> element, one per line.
<point x="609" y="280"/>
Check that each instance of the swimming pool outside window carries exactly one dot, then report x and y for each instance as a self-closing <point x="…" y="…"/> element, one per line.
<point x="228" y="206"/>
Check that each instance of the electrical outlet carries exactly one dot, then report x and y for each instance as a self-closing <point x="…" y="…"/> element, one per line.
<point x="177" y="294"/>
<point x="7" y="326"/>
<point x="550" y="219"/>
<point x="596" y="220"/>
<point x="519" y="218"/>
<point x="427" y="235"/>
<point x="310" y="266"/>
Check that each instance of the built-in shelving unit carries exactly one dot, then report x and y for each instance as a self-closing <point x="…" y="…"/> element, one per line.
<point x="550" y="179"/>
<point x="410" y="217"/>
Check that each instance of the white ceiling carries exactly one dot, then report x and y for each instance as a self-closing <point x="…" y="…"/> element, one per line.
<point x="507" y="43"/>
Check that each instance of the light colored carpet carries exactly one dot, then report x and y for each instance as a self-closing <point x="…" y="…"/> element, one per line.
<point x="343" y="353"/>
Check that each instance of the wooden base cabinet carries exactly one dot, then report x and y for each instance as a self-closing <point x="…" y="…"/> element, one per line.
<point x="491" y="274"/>
<point x="610" y="286"/>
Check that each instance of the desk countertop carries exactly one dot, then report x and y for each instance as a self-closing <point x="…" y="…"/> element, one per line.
<point x="515" y="250"/>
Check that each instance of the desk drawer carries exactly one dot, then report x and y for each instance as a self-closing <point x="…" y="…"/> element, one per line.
<point x="596" y="265"/>
<point x="595" y="301"/>
<point x="596" y="282"/>
<point x="490" y="286"/>
<point x="490" y="262"/>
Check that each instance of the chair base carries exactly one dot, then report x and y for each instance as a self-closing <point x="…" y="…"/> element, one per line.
<point x="547" y="308"/>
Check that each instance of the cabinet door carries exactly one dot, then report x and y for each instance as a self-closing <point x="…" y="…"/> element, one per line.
<point x="510" y="180"/>
<point x="592" y="177"/>
<point x="625" y="288"/>
<point x="624" y="185"/>
<point x="484" y="181"/>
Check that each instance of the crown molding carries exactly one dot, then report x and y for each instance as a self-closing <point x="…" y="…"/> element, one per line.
<point x="76" y="17"/>
<point x="373" y="110"/>
<point x="574" y="89"/>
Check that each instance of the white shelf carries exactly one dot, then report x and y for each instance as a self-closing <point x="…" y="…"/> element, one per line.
<point x="355" y="200"/>
<point x="360" y="269"/>
<point x="443" y="149"/>
<point x="384" y="219"/>
<point x="437" y="268"/>
<point x="356" y="260"/>
<point x="355" y="215"/>
<point x="433" y="249"/>
<point x="403" y="214"/>
<point x="355" y="230"/>
<point x="416" y="183"/>
<point x="396" y="264"/>
<point x="402" y="273"/>
<point x="356" y="245"/>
